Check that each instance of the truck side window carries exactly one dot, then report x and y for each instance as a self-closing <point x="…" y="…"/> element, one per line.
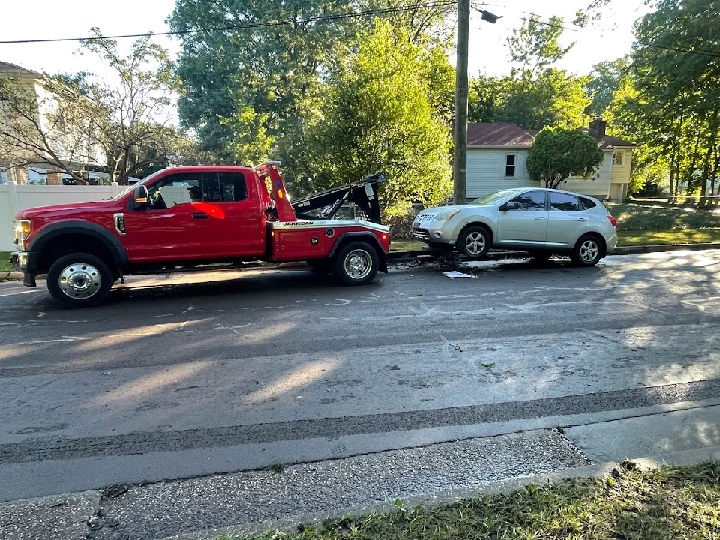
<point x="224" y="187"/>
<point x="173" y="190"/>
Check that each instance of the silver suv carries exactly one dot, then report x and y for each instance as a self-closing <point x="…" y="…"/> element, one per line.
<point x="541" y="221"/>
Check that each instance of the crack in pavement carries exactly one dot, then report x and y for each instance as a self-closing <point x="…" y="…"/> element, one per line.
<point x="42" y="449"/>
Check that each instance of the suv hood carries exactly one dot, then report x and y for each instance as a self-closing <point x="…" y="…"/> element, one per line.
<point x="67" y="209"/>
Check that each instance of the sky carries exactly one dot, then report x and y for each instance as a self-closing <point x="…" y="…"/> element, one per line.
<point x="608" y="40"/>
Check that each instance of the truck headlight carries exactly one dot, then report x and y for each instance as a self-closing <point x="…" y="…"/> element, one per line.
<point x="23" y="228"/>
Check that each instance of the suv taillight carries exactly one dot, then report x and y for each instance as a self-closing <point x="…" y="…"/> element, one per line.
<point x="612" y="220"/>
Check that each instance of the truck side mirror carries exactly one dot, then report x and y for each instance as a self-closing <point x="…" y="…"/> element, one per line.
<point x="141" y="197"/>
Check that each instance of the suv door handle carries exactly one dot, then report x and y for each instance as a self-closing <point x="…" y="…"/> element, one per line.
<point x="539" y="218"/>
<point x="582" y="219"/>
<point x="200" y="215"/>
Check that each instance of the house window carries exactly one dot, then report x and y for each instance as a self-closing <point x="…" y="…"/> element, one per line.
<point x="510" y="165"/>
<point x="618" y="158"/>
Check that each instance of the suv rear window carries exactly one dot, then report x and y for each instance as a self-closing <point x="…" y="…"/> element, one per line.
<point x="586" y="203"/>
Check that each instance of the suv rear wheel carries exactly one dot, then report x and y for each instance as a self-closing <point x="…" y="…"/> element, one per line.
<point x="79" y="280"/>
<point x="587" y="251"/>
<point x="356" y="264"/>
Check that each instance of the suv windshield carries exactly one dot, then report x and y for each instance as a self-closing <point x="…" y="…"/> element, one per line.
<point x="495" y="197"/>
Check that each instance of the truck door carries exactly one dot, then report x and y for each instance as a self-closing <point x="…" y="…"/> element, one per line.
<point x="230" y="216"/>
<point x="168" y="229"/>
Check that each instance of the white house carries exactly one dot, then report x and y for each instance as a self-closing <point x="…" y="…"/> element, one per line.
<point x="22" y="155"/>
<point x="497" y="153"/>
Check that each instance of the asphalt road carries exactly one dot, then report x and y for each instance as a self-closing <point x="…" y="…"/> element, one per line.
<point x="188" y="375"/>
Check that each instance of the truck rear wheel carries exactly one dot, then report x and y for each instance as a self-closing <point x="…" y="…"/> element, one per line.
<point x="356" y="264"/>
<point x="79" y="280"/>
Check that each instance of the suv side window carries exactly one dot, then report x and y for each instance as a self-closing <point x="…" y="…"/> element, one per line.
<point x="533" y="201"/>
<point x="224" y="187"/>
<point x="173" y="190"/>
<point x="586" y="203"/>
<point x="564" y="202"/>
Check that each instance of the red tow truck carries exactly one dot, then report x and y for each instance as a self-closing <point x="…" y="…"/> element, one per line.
<point x="198" y="218"/>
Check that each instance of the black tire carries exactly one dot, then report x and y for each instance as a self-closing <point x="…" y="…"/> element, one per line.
<point x="474" y="241"/>
<point x="90" y="275"/>
<point x="588" y="250"/>
<point x="320" y="266"/>
<point x="356" y="264"/>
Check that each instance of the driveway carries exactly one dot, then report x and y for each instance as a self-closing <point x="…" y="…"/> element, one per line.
<point x="203" y="373"/>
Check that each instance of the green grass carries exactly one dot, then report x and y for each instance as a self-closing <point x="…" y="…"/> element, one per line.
<point x="686" y="236"/>
<point x="637" y="217"/>
<point x="5" y="262"/>
<point x="677" y="503"/>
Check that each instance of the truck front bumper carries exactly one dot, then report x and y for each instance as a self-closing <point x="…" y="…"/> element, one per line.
<point x="25" y="262"/>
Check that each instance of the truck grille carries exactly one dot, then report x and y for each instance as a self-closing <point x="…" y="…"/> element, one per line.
<point x="422" y="234"/>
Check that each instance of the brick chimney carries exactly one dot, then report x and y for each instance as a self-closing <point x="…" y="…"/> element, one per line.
<point x="597" y="128"/>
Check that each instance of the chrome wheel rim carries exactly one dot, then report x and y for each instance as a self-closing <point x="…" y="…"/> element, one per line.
<point x="589" y="251"/>
<point x="80" y="280"/>
<point x="474" y="243"/>
<point x="358" y="264"/>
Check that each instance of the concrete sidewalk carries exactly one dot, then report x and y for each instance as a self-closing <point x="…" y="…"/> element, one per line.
<point x="282" y="496"/>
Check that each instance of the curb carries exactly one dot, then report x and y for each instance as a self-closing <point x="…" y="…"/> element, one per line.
<point x="402" y="256"/>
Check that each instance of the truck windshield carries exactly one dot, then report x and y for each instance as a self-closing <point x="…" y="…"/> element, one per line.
<point x="131" y="187"/>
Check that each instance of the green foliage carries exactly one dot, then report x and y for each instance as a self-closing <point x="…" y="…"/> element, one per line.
<point x="377" y="115"/>
<point x="249" y="141"/>
<point x="668" y="100"/>
<point x="557" y="154"/>
<point x="603" y="83"/>
<point x="551" y="98"/>
<point x="535" y="45"/>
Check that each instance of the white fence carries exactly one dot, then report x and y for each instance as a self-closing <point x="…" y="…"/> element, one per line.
<point x="14" y="198"/>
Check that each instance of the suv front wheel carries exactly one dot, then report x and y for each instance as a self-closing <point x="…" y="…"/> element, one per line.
<point x="79" y="280"/>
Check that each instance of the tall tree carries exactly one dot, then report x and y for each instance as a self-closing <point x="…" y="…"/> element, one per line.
<point x="603" y="83"/>
<point x="670" y="101"/>
<point x="536" y="44"/>
<point x="557" y="154"/>
<point x="378" y="115"/>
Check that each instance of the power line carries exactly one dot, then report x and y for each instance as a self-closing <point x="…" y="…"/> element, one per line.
<point x="247" y="26"/>
<point x="538" y="20"/>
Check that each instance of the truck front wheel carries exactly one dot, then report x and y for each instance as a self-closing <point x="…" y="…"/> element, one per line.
<point x="356" y="264"/>
<point x="79" y="280"/>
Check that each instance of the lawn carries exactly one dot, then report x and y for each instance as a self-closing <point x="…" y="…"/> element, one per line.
<point x="665" y="503"/>
<point x="5" y="262"/>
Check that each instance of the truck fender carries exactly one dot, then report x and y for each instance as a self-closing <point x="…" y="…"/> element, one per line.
<point x="361" y="236"/>
<point x="111" y="242"/>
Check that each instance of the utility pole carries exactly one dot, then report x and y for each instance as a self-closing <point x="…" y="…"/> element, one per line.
<point x="461" y="96"/>
<point x="461" y="102"/>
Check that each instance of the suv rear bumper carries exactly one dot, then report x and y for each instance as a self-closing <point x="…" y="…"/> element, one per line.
<point x="25" y="262"/>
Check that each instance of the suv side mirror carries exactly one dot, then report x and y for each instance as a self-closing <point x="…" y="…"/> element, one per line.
<point x="141" y="197"/>
<point x="512" y="205"/>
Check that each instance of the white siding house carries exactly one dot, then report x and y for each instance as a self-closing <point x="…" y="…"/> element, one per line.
<point x="497" y="154"/>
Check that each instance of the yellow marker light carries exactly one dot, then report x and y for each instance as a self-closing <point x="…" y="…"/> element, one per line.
<point x="280" y="194"/>
<point x="24" y="226"/>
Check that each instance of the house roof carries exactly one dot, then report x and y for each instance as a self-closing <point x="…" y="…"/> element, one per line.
<point x="512" y="135"/>
<point x="608" y="142"/>
<point x="488" y="134"/>
<point x="7" y="67"/>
